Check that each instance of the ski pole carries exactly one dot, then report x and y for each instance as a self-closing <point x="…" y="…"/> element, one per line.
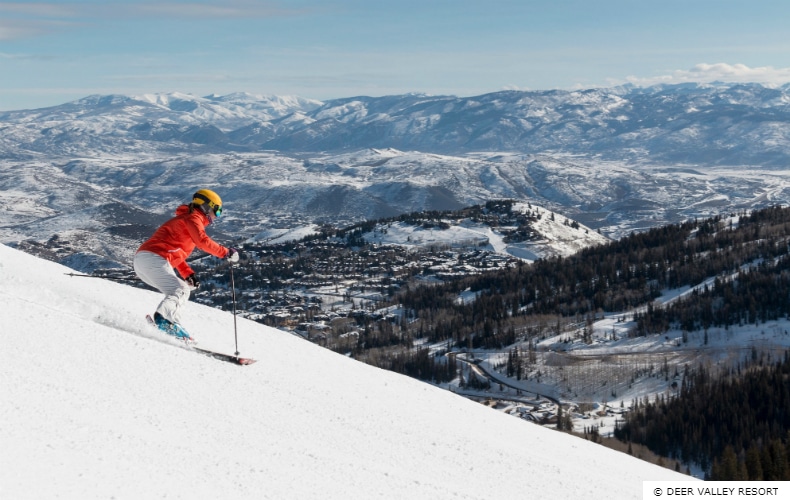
<point x="233" y="295"/>
<point x="117" y="278"/>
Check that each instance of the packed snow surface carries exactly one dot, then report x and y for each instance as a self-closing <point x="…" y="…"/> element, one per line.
<point x="94" y="403"/>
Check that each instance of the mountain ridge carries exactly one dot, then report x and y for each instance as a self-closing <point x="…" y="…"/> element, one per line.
<point x="617" y="160"/>
<point x="660" y="121"/>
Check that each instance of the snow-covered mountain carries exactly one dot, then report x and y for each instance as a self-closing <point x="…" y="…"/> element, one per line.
<point x="551" y="235"/>
<point x="101" y="171"/>
<point x="97" y="404"/>
<point x="711" y="124"/>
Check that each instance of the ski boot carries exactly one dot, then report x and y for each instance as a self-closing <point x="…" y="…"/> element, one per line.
<point x="173" y="329"/>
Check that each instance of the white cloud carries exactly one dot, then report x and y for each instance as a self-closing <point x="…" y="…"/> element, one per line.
<point x="46" y="10"/>
<point x="722" y="72"/>
<point x="14" y="29"/>
<point x="23" y="20"/>
<point x="8" y="32"/>
<point x="225" y="9"/>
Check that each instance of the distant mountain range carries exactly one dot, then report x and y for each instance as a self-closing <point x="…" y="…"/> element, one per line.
<point x="100" y="172"/>
<point x="725" y="124"/>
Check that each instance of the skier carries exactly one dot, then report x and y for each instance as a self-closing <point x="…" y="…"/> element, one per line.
<point x="169" y="248"/>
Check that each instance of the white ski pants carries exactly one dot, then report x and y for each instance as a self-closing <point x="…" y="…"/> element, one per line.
<point x="156" y="271"/>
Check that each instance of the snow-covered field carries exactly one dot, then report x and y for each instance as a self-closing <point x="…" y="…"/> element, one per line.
<point x="96" y="404"/>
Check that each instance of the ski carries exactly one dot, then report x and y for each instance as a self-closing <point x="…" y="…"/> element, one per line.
<point x="224" y="357"/>
<point x="190" y="346"/>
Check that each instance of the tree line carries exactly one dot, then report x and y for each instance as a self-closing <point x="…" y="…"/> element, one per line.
<point x="735" y="426"/>
<point x="755" y="295"/>
<point x="618" y="277"/>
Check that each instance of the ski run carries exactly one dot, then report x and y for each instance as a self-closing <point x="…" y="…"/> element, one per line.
<point x="95" y="404"/>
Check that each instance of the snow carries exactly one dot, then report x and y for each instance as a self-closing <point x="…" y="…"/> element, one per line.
<point x="94" y="403"/>
<point x="556" y="237"/>
<point x="275" y="236"/>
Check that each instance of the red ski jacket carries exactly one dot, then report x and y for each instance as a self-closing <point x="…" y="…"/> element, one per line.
<point x="177" y="238"/>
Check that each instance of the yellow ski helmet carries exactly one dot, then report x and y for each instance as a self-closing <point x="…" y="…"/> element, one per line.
<point x="208" y="201"/>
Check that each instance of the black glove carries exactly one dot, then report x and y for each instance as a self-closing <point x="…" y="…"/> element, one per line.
<point x="233" y="255"/>
<point x="192" y="281"/>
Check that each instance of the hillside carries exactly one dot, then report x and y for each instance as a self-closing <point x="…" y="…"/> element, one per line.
<point x="95" y="405"/>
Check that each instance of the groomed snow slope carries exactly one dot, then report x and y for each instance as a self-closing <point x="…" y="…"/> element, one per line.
<point x="95" y="404"/>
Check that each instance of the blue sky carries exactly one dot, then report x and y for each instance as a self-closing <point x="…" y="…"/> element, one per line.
<point x="58" y="51"/>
